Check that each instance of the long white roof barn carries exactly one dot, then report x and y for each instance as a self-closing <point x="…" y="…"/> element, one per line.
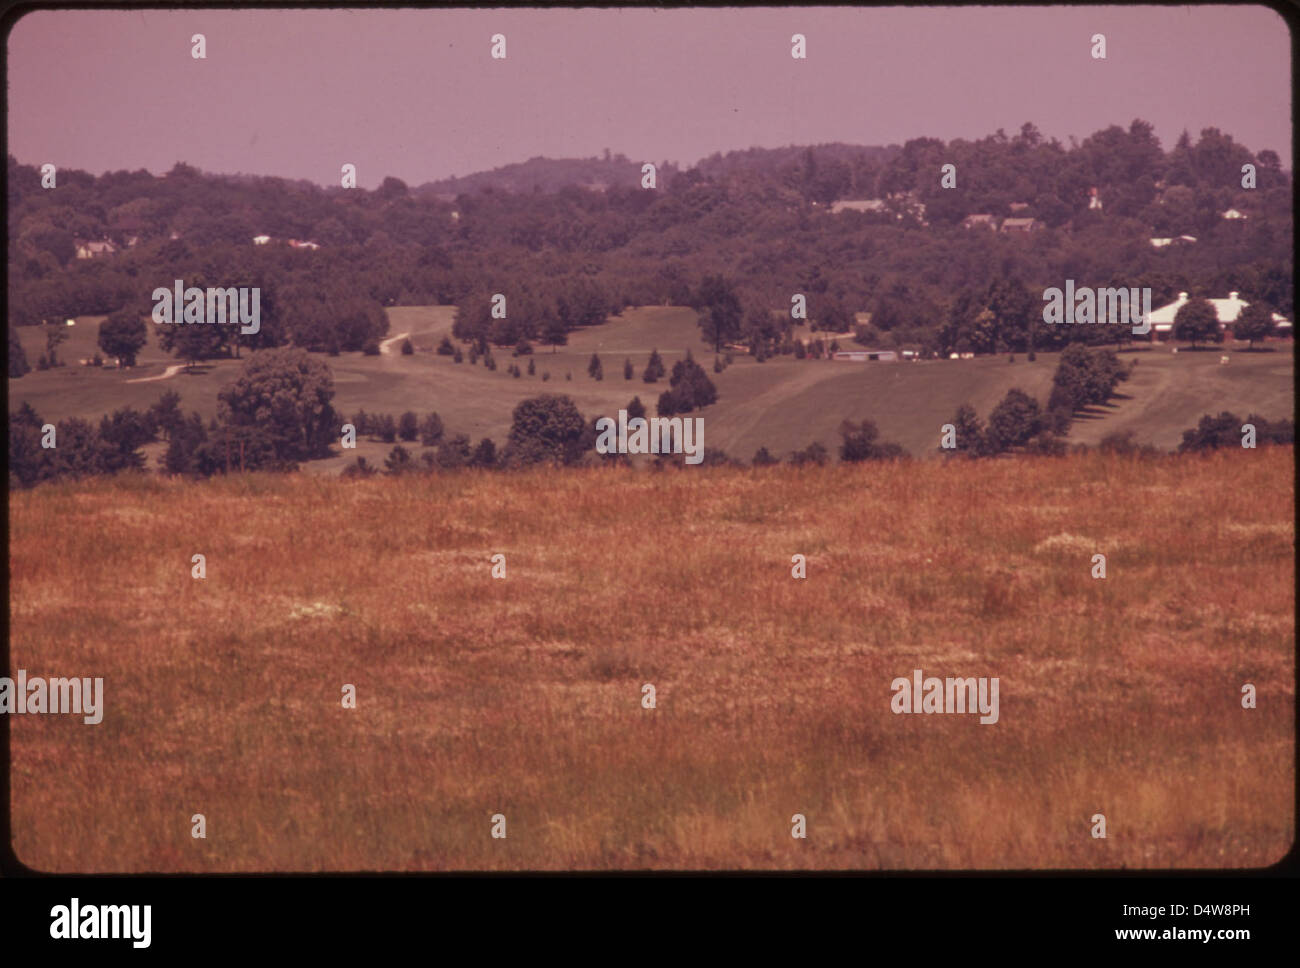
<point x="1227" y="310"/>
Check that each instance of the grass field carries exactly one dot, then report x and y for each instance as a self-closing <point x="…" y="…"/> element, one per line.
<point x="522" y="696"/>
<point x="783" y="404"/>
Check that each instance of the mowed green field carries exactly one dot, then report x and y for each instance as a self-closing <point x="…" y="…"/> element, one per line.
<point x="783" y="404"/>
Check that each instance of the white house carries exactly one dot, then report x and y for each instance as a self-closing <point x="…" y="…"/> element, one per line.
<point x="876" y="205"/>
<point x="1182" y="239"/>
<point x="1227" y="310"/>
<point x="1232" y="213"/>
<point x="94" y="250"/>
<point x="261" y="239"/>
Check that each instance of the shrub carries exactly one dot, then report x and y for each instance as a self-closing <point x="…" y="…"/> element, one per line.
<point x="860" y="443"/>
<point x="814" y="453"/>
<point x="654" y="368"/>
<point x="398" y="461"/>
<point x="407" y="348"/>
<point x="594" y="368"/>
<point x="459" y="357"/>
<point x="445" y="348"/>
<point x="532" y="368"/>
<point x="386" y="428"/>
<point x="1123" y="443"/>
<point x="628" y="371"/>
<point x="370" y="347"/>
<point x="763" y="459"/>
<point x="359" y="469"/>
<point x="408" y="426"/>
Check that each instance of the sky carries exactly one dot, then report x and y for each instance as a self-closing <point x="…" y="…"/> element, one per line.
<point x="415" y="93"/>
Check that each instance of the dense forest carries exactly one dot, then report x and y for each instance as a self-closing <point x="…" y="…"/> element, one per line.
<point x="735" y="236"/>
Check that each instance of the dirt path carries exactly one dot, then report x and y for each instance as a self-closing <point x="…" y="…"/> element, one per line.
<point x="386" y="347"/>
<point x="171" y="371"/>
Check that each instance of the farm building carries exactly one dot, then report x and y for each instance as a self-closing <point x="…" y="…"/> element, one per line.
<point x="863" y="356"/>
<point x="984" y="221"/>
<point x="876" y="205"/>
<point x="94" y="250"/>
<point x="1021" y="225"/>
<point x="1162" y="319"/>
<point x="1233" y="214"/>
<point x="1181" y="240"/>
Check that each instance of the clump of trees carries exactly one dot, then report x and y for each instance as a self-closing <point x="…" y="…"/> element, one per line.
<point x="1015" y="424"/>
<point x="1225" y="430"/>
<point x="1083" y="378"/>
<point x="689" y="388"/>
<point x="861" y="441"/>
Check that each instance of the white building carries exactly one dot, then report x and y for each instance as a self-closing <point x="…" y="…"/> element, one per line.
<point x="1227" y="311"/>
<point x="1161" y="243"/>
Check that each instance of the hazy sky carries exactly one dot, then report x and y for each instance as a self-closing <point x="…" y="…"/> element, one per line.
<point x="414" y="93"/>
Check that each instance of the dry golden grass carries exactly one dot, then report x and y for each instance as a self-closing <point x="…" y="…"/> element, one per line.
<point x="522" y="696"/>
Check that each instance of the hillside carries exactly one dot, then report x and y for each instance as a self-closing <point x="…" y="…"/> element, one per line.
<point x="782" y="404"/>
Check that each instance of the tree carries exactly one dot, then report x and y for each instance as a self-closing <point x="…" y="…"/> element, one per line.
<point x="454" y="453"/>
<point x="485" y="454"/>
<point x="1013" y="421"/>
<point x="431" y="430"/>
<point x="1196" y="321"/>
<point x="814" y="453"/>
<point x="408" y="426"/>
<point x="54" y="336"/>
<point x="654" y="369"/>
<point x="635" y="409"/>
<point x="763" y="459"/>
<point x="407" y="348"/>
<point x="968" y="434"/>
<point x="719" y="310"/>
<point x="123" y="335"/>
<point x="859" y="443"/>
<point x="594" y="368"/>
<point x="165" y="414"/>
<point x="386" y="427"/>
<point x="1213" y="432"/>
<point x="445" y="348"/>
<point x="690" y="388"/>
<point x="554" y="332"/>
<point x="627" y="368"/>
<point x="192" y="342"/>
<point x="285" y="393"/>
<point x="17" y="358"/>
<point x="398" y="461"/>
<point x="1254" y="322"/>
<point x="547" y="428"/>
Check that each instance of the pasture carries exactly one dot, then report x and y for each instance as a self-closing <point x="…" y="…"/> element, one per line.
<point x="522" y="695"/>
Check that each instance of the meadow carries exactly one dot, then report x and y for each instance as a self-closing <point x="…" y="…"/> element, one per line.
<point x="782" y="404"/>
<point x="522" y="695"/>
